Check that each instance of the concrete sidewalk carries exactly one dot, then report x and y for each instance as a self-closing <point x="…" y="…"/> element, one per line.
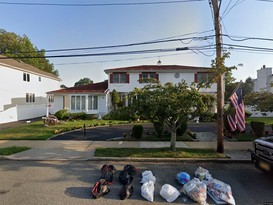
<point x="84" y="150"/>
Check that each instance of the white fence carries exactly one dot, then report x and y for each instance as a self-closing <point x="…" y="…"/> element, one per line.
<point x="22" y="112"/>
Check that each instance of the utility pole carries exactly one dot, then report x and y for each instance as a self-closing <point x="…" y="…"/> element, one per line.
<point x="220" y="80"/>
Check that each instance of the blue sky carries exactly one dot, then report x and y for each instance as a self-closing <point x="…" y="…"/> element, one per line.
<point x="55" y="27"/>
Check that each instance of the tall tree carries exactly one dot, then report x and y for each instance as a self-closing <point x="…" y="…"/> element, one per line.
<point x="83" y="81"/>
<point x="169" y="103"/>
<point x="115" y="99"/>
<point x="21" y="48"/>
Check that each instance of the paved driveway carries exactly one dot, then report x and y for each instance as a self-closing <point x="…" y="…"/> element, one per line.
<point x="116" y="131"/>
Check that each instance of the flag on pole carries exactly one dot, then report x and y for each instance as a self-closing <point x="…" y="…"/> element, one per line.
<point x="237" y="121"/>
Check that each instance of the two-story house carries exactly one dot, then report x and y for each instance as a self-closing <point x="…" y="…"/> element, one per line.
<point x="124" y="80"/>
<point x="23" y="90"/>
<point x="264" y="80"/>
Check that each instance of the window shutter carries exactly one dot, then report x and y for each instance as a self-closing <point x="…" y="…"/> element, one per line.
<point x="156" y="76"/>
<point x="111" y="78"/>
<point x="140" y="76"/>
<point x="127" y="78"/>
<point x="195" y="77"/>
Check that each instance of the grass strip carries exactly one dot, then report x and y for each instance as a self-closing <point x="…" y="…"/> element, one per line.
<point x="157" y="153"/>
<point x="12" y="150"/>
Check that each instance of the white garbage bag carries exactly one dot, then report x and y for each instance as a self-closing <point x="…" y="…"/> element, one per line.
<point x="203" y="175"/>
<point x="147" y="191"/>
<point x="169" y="192"/>
<point x="147" y="176"/>
<point x="196" y="190"/>
<point x="220" y="191"/>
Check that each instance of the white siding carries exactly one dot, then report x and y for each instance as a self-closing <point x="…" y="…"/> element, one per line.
<point x="13" y="91"/>
<point x="264" y="79"/>
<point x="163" y="78"/>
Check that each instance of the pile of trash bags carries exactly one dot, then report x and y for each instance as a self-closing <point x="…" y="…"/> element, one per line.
<point x="196" y="188"/>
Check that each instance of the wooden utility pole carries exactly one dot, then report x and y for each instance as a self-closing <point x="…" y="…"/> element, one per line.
<point x="220" y="80"/>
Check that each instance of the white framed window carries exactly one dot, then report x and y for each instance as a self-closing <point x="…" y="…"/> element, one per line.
<point x="26" y="77"/>
<point x="30" y="97"/>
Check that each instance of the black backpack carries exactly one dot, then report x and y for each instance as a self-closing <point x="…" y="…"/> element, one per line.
<point x="126" y="192"/>
<point x="126" y="176"/>
<point x="100" y="188"/>
<point x="107" y="172"/>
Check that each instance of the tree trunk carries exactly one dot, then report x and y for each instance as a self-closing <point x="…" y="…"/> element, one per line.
<point x="173" y="139"/>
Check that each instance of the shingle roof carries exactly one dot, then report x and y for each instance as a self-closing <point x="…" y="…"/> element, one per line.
<point x="100" y="87"/>
<point x="155" y="68"/>
<point x="9" y="62"/>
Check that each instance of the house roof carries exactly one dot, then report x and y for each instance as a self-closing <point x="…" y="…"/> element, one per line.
<point x="12" y="63"/>
<point x="100" y="87"/>
<point x="154" y="68"/>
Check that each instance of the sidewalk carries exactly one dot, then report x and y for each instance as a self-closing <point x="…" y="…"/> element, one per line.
<point x="84" y="150"/>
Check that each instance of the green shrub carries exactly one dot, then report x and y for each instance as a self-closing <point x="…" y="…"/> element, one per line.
<point x="123" y="113"/>
<point x="207" y="117"/>
<point x="182" y="129"/>
<point x="79" y="116"/>
<point x="258" y="128"/>
<point x="159" y="126"/>
<point x="62" y="114"/>
<point x="137" y="131"/>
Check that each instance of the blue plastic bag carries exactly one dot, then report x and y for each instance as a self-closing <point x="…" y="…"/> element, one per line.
<point x="183" y="177"/>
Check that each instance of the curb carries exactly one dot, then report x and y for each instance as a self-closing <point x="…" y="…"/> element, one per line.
<point x="130" y="159"/>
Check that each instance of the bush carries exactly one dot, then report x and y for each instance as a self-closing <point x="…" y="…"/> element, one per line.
<point x="258" y="128"/>
<point x="137" y="131"/>
<point x="78" y="116"/>
<point x="159" y="126"/>
<point x="182" y="129"/>
<point x="62" y="114"/>
<point x="123" y="113"/>
<point x="207" y="117"/>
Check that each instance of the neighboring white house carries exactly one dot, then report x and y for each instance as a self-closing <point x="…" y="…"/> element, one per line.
<point x="124" y="80"/>
<point x="23" y="90"/>
<point x="264" y="80"/>
<point x="95" y="98"/>
<point x="91" y="99"/>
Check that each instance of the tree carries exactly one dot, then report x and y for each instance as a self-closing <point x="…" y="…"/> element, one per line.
<point x="261" y="101"/>
<point x="170" y="104"/>
<point x="83" y="81"/>
<point x="115" y="99"/>
<point x="21" y="48"/>
<point x="248" y="86"/>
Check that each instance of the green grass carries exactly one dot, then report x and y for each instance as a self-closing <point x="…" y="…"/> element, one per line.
<point x="12" y="150"/>
<point x="157" y="153"/>
<point x="37" y="130"/>
<point x="266" y="120"/>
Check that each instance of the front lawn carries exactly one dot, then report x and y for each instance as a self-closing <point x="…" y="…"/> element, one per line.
<point x="12" y="150"/>
<point x="37" y="130"/>
<point x="157" y="153"/>
<point x="266" y="120"/>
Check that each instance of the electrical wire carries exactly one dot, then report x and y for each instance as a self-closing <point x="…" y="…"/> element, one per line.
<point x="98" y="4"/>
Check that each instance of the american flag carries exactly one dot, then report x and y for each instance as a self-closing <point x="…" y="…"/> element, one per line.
<point x="237" y="121"/>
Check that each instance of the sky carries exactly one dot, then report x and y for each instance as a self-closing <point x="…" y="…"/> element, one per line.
<point x="66" y="27"/>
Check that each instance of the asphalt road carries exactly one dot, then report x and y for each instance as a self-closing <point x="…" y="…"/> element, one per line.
<point x="109" y="132"/>
<point x="68" y="182"/>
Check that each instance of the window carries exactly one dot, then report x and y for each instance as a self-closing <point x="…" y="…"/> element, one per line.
<point x="95" y="102"/>
<point x="51" y="98"/>
<point x="89" y="102"/>
<point x="39" y="78"/>
<point x="83" y="102"/>
<point x="30" y="97"/>
<point x="26" y="77"/>
<point x="73" y="102"/>
<point x="148" y="77"/>
<point x="79" y="102"/>
<point x="202" y="77"/>
<point x="119" y="78"/>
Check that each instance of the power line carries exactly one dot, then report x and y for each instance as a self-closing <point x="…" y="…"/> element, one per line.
<point x="98" y="4"/>
<point x="104" y="54"/>
<point x="120" y="45"/>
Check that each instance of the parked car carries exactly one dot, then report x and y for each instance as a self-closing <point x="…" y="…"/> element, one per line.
<point x="262" y="154"/>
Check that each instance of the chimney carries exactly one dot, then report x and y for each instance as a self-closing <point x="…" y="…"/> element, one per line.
<point x="263" y="66"/>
